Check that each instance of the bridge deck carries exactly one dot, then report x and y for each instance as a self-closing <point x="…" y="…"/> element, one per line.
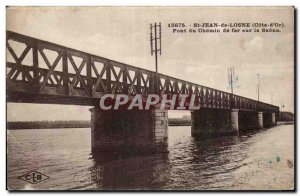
<point x="42" y="72"/>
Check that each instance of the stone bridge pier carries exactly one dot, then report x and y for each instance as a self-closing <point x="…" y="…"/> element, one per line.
<point x="146" y="131"/>
<point x="131" y="131"/>
<point x="218" y="122"/>
<point x="269" y="119"/>
<point x="214" y="122"/>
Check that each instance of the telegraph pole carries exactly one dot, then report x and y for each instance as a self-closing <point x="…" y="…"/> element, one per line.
<point x="258" y="86"/>
<point x="232" y="80"/>
<point x="231" y="73"/>
<point x="156" y="30"/>
<point x="282" y="104"/>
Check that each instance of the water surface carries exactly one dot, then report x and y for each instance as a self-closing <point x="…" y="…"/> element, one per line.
<point x="253" y="160"/>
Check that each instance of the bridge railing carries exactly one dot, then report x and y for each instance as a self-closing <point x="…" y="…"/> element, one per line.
<point x="209" y="97"/>
<point x="39" y="67"/>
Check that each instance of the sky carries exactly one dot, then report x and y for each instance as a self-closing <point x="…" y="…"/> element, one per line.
<point x="122" y="34"/>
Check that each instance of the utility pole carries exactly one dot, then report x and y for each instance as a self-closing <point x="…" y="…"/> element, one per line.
<point x="156" y="30"/>
<point x="258" y="86"/>
<point x="232" y="82"/>
<point x="282" y="105"/>
<point x="232" y="79"/>
<point x="231" y="73"/>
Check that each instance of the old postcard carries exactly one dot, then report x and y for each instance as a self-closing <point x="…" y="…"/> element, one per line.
<point x="150" y="98"/>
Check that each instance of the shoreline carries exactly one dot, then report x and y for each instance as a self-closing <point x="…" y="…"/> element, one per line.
<point x="75" y="124"/>
<point x="173" y="122"/>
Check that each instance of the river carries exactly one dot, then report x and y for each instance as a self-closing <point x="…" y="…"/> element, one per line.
<point x="261" y="160"/>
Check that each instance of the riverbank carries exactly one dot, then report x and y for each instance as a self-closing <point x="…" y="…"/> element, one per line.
<point x="48" y="124"/>
<point x="76" y="124"/>
<point x="285" y="122"/>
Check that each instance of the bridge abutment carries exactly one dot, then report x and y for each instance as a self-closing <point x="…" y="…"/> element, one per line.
<point x="132" y="131"/>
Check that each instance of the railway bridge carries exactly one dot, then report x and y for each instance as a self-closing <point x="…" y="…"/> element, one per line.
<point x="42" y="72"/>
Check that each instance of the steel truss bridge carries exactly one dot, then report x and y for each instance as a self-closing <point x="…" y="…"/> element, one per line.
<point x="43" y="72"/>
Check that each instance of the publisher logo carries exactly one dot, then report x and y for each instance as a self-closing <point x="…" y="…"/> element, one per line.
<point x="34" y="177"/>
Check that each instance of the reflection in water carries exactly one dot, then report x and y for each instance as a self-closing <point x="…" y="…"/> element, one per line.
<point x="257" y="160"/>
<point x="139" y="172"/>
<point x="206" y="164"/>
